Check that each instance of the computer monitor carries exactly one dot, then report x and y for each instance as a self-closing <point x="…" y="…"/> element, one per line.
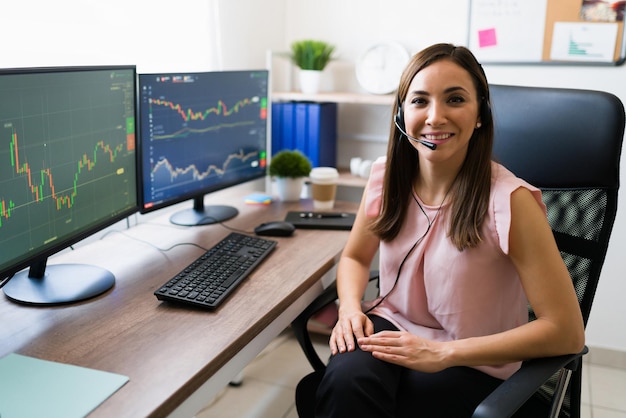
<point x="67" y="170"/>
<point x="199" y="133"/>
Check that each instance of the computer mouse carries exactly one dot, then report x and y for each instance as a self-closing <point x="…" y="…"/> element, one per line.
<point x="275" y="229"/>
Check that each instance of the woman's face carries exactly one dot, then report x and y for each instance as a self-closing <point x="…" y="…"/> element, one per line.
<point x="441" y="107"/>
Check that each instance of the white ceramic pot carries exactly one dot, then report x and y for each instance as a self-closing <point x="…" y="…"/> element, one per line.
<point x="289" y="189"/>
<point x="310" y="81"/>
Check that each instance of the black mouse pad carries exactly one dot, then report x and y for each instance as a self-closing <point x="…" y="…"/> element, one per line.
<point x="321" y="220"/>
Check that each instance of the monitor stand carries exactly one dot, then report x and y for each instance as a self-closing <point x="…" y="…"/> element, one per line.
<point x="201" y="215"/>
<point x="58" y="283"/>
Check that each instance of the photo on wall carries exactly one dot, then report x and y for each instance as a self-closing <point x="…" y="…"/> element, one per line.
<point x="602" y="11"/>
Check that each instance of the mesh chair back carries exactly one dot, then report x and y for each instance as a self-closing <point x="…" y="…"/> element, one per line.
<point x="568" y="143"/>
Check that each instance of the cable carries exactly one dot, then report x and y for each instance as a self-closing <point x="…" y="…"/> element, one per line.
<point x="430" y="224"/>
<point x="176" y="227"/>
<point x="164" y="250"/>
<point x="5" y="280"/>
<point x="230" y="228"/>
<point x="380" y="300"/>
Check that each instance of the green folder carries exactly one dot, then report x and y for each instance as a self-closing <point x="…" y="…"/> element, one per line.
<point x="30" y="387"/>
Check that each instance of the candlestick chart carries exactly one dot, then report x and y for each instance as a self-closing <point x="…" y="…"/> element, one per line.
<point x="52" y="184"/>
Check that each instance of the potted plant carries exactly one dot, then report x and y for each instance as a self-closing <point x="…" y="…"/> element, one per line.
<point x="311" y="56"/>
<point x="289" y="168"/>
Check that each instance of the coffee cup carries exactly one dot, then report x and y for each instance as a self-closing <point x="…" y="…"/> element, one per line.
<point x="323" y="187"/>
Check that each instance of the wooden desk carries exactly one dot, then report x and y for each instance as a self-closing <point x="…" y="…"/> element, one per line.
<point x="177" y="357"/>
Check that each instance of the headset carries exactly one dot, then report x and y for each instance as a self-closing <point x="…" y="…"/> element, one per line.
<point x="399" y="121"/>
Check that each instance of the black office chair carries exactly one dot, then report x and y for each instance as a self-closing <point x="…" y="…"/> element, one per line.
<point x="568" y="143"/>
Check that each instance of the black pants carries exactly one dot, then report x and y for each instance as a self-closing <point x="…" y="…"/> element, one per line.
<point x="358" y="385"/>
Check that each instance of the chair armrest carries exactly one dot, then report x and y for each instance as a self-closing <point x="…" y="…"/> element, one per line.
<point x="516" y="390"/>
<point x="299" y="325"/>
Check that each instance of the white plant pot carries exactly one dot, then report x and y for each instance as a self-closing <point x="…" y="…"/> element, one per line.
<point x="310" y="81"/>
<point x="289" y="189"/>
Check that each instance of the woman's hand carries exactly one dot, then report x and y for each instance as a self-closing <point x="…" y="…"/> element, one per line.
<point x="352" y="324"/>
<point x="405" y="349"/>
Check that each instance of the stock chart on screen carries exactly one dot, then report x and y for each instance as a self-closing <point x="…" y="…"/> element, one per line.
<point x="67" y="155"/>
<point x="200" y="132"/>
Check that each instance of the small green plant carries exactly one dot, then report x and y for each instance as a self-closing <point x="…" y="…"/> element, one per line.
<point x="289" y="163"/>
<point x="311" y="55"/>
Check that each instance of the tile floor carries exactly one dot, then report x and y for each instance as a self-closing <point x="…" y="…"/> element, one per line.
<point x="269" y="381"/>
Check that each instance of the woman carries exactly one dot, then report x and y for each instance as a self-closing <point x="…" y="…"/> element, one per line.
<point x="464" y="247"/>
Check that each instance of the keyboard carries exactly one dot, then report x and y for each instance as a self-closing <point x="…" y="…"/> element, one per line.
<point x="208" y="280"/>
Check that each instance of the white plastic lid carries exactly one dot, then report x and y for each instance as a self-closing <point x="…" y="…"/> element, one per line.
<point x="324" y="175"/>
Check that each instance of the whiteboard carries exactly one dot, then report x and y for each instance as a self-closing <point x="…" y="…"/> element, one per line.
<point x="547" y="31"/>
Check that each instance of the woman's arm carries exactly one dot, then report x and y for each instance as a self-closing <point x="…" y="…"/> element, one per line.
<point x="559" y="327"/>
<point x="352" y="279"/>
<point x="557" y="330"/>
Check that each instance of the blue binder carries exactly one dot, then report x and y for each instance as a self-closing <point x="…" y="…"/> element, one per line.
<point x="308" y="127"/>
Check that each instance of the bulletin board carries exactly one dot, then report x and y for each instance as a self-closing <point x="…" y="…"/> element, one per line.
<point x="547" y="31"/>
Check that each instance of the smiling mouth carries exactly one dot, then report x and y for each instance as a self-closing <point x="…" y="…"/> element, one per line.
<point x="436" y="137"/>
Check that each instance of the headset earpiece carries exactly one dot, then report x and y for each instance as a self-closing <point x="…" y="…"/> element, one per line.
<point x="399" y="119"/>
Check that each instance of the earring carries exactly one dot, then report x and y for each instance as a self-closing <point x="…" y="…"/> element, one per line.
<point x="478" y="125"/>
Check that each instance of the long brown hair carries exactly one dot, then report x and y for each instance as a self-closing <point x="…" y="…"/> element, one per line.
<point x="470" y="191"/>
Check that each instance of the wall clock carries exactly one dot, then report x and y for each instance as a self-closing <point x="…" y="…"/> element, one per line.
<point x="379" y="68"/>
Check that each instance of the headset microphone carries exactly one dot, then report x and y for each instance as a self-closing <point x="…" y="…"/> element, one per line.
<point x="428" y="144"/>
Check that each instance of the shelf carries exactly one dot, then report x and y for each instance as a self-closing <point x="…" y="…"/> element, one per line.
<point x="334" y="97"/>
<point x="350" y="180"/>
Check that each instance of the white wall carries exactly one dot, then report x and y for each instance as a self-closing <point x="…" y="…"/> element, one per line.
<point x="155" y="35"/>
<point x="198" y="35"/>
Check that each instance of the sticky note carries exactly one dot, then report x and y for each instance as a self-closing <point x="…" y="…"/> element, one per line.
<point x="258" y="199"/>
<point x="487" y="37"/>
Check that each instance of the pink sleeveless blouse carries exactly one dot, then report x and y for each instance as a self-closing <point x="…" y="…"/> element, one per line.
<point x="445" y="294"/>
